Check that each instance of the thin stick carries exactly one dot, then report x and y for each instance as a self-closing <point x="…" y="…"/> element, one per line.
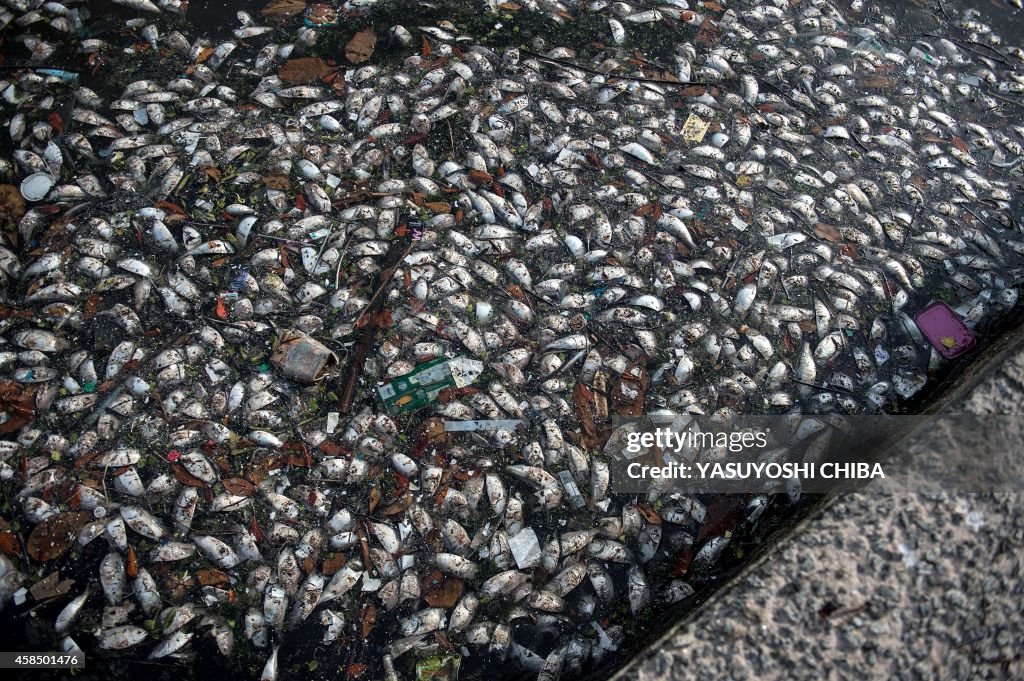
<point x="639" y="79"/>
<point x="286" y="240"/>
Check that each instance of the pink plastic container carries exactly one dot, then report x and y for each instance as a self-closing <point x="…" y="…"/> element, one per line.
<point x="944" y="330"/>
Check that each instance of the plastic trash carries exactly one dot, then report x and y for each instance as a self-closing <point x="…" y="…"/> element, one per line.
<point x="321" y="15"/>
<point x="694" y="129"/>
<point x="525" y="548"/>
<point x="302" y="358"/>
<point x="945" y="330"/>
<point x="576" y="499"/>
<point x="422" y="386"/>
<point x="36" y="186"/>
<point x="437" y="668"/>
<point x="66" y="76"/>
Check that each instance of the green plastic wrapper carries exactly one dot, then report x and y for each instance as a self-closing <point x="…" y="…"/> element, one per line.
<point x="421" y="386"/>
<point x="438" y="668"/>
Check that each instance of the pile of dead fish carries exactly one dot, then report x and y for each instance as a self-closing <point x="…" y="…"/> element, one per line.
<point x="208" y="265"/>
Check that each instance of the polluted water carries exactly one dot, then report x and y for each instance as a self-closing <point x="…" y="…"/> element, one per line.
<point x="314" y="324"/>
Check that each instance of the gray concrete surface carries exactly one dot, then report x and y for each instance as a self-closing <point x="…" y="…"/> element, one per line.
<point x="879" y="586"/>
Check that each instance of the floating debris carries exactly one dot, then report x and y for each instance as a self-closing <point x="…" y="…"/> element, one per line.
<point x="944" y="330"/>
<point x="301" y="358"/>
<point x="36" y="186"/>
<point x="424" y="384"/>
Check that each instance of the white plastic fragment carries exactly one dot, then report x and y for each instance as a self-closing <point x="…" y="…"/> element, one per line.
<point x="36" y="186"/>
<point x="525" y="548"/>
<point x="333" y="623"/>
<point x="489" y="424"/>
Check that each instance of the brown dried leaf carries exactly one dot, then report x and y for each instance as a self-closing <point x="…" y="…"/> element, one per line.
<point x="876" y="82"/>
<point x="260" y="466"/>
<point x="12" y="205"/>
<point x="960" y="144"/>
<point x="19" y="404"/>
<point x="583" y="398"/>
<point x="55" y="121"/>
<point x="284" y="8"/>
<point x="828" y="232"/>
<point x="649" y="514"/>
<point x="51" y="538"/>
<point x="333" y="448"/>
<point x="430" y="434"/>
<point x="91" y="303"/>
<point x="186" y="478"/>
<point x="398" y="507"/>
<point x="707" y="34"/>
<point x="367" y="618"/>
<point x="480" y="177"/>
<point x="50" y="586"/>
<point x="383" y="319"/>
<point x="360" y="48"/>
<point x="9" y="544"/>
<point x="240" y="487"/>
<point x="444" y="642"/>
<point x="850" y="251"/>
<point x="434" y="540"/>
<point x="683" y="559"/>
<point x="280" y="182"/>
<point x="304" y="70"/>
<point x="438" y="207"/>
<point x="516" y="291"/>
<point x="446" y="595"/>
<point x="724" y="511"/>
<point x="204" y="55"/>
<point x="332" y="563"/>
<point x="171" y="207"/>
<point x="431" y="580"/>
<point x="209" y="576"/>
<point x="132" y="569"/>
<point x="374" y="498"/>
